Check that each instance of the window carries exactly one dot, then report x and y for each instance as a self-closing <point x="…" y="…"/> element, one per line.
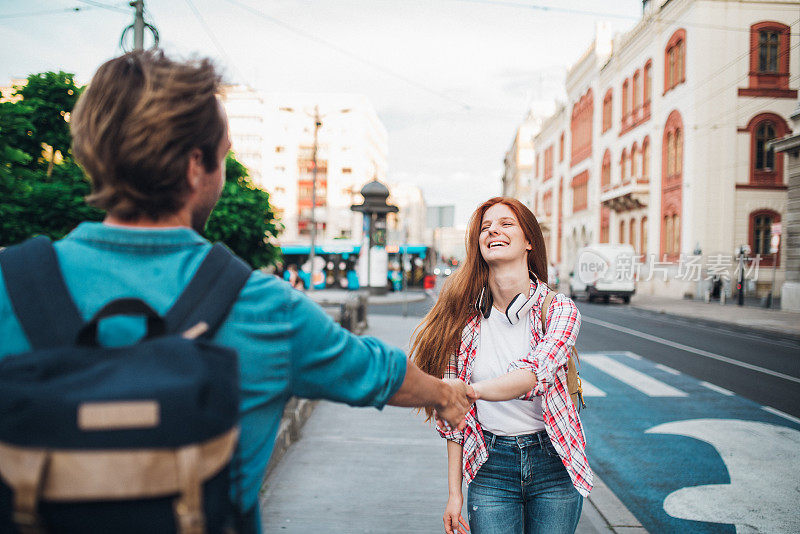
<point x="580" y="191"/>
<point x="636" y="96"/>
<point x="643" y="235"/>
<point x="623" y="166"/>
<point x="769" y="61"/>
<point x="581" y="128"/>
<point x="548" y="163"/>
<point x="648" y="81"/>
<point x="635" y="161"/>
<point x="632" y="233"/>
<point x="646" y="159"/>
<point x="279" y="149"/>
<point x="607" y="108"/>
<point x="765" y="158"/>
<point x="621" y="232"/>
<point x="605" y="216"/>
<point x="624" y="100"/>
<point x="671" y="186"/>
<point x="605" y="177"/>
<point x="675" y="60"/>
<point x="760" y="238"/>
<point x="347" y="170"/>
<point x="561" y="148"/>
<point x="768" y="51"/>
<point x="766" y="167"/>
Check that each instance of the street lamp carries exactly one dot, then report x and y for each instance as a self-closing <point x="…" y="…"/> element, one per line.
<point x="741" y="252"/>
<point x="317" y="125"/>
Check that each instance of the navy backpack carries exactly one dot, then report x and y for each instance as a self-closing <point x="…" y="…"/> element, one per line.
<point x="121" y="440"/>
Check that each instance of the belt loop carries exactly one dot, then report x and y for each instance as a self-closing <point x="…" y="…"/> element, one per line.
<point x="539" y="437"/>
<point x="493" y="438"/>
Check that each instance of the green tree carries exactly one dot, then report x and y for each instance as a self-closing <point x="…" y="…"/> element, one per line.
<point x="243" y="218"/>
<point x="49" y="98"/>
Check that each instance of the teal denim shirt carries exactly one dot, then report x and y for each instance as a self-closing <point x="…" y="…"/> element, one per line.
<point x="287" y="345"/>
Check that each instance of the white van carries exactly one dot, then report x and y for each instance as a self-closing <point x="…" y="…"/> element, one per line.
<point x="604" y="271"/>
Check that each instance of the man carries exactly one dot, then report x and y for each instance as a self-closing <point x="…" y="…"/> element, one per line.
<point x="152" y="136"/>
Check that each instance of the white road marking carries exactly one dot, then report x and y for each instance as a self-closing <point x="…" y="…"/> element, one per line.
<point x="718" y="389"/>
<point x="669" y="370"/>
<point x="636" y="379"/>
<point x="631" y="355"/>
<point x="687" y="348"/>
<point x="762" y="463"/>
<point x="779" y="413"/>
<point x="590" y="390"/>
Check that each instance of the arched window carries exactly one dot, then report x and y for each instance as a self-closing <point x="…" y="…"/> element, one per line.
<point x="632" y="233"/>
<point x="675" y="60"/>
<point x="607" y="110"/>
<point x="635" y="161"/>
<point x="625" y="100"/>
<point x="648" y="81"/>
<point x="646" y="158"/>
<point x="769" y="61"/>
<point x="643" y="234"/>
<point x="621" y="232"/>
<point x="635" y="92"/>
<point x="760" y="237"/>
<point x="623" y="166"/>
<point x="671" y="186"/>
<point x="605" y="176"/>
<point x="766" y="167"/>
<point x="670" y="153"/>
<point x="765" y="157"/>
<point x="605" y="216"/>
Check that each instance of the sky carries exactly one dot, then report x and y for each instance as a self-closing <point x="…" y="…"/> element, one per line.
<point x="450" y="79"/>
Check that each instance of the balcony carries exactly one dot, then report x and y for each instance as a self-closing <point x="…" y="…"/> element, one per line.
<point x="626" y="196"/>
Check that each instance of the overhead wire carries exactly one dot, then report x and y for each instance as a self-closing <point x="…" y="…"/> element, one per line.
<point x="214" y="40"/>
<point x="45" y="12"/>
<point x="350" y="54"/>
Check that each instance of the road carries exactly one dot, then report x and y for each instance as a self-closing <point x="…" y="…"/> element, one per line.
<point x="695" y="427"/>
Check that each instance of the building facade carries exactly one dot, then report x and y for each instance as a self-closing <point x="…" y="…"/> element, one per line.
<point x="667" y="129"/>
<point x="273" y="136"/>
<point x="519" y="160"/>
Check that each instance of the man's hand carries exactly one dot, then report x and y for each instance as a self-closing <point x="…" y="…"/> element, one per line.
<point x="456" y="403"/>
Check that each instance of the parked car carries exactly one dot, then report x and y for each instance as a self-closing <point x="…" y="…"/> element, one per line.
<point x="604" y="271"/>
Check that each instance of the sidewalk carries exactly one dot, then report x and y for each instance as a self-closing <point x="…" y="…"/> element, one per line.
<point x="337" y="296"/>
<point x="359" y="470"/>
<point x="745" y="317"/>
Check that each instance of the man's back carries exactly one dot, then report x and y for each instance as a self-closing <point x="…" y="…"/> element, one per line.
<point x="287" y="346"/>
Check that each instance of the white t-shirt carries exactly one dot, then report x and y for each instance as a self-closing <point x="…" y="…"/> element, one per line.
<point x="501" y="343"/>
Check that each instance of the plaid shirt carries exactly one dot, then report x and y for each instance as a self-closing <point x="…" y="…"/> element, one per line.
<point x="547" y="359"/>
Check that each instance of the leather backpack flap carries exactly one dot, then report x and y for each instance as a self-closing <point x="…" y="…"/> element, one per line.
<point x="573" y="380"/>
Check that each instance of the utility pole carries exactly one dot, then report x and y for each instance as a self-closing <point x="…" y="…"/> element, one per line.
<point x="312" y="253"/>
<point x="138" y="25"/>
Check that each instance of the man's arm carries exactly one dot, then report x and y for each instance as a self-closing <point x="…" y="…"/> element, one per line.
<point x="452" y="399"/>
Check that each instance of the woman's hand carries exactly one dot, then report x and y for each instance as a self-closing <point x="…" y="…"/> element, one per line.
<point x="453" y="521"/>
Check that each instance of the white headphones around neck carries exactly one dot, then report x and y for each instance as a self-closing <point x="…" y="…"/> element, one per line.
<point x="516" y="309"/>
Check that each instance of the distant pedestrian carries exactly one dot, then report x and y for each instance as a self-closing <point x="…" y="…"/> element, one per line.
<point x="522" y="451"/>
<point x="293" y="277"/>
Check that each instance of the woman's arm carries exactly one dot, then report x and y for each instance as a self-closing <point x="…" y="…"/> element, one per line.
<point x="453" y="521"/>
<point x="509" y="386"/>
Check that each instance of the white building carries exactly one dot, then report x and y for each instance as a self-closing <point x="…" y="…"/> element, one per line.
<point x="665" y="132"/>
<point x="273" y="135"/>
<point x="518" y="163"/>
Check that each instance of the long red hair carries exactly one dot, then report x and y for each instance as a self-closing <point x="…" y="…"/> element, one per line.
<point x="439" y="335"/>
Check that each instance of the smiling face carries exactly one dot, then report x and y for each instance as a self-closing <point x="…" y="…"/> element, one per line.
<point x="501" y="238"/>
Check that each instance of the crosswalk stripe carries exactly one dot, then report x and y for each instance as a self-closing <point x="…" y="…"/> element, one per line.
<point x="636" y="379"/>
<point x="718" y="389"/>
<point x="779" y="413"/>
<point x="669" y="370"/>
<point x="687" y="348"/>
<point x="590" y="390"/>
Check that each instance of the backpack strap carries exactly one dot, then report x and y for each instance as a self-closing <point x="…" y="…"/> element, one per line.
<point x="545" y="306"/>
<point x="38" y="294"/>
<point x="211" y="293"/>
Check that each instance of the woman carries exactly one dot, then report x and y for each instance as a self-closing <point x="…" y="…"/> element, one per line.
<point x="522" y="451"/>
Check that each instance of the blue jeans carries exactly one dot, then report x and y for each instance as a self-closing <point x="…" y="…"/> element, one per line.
<point x="523" y="488"/>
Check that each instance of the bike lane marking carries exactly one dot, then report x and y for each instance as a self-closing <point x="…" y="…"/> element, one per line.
<point x="661" y="454"/>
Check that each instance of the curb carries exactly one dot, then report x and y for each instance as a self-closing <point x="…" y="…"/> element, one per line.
<point x="295" y="415"/>
<point x="616" y="515"/>
<point x="720" y="324"/>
